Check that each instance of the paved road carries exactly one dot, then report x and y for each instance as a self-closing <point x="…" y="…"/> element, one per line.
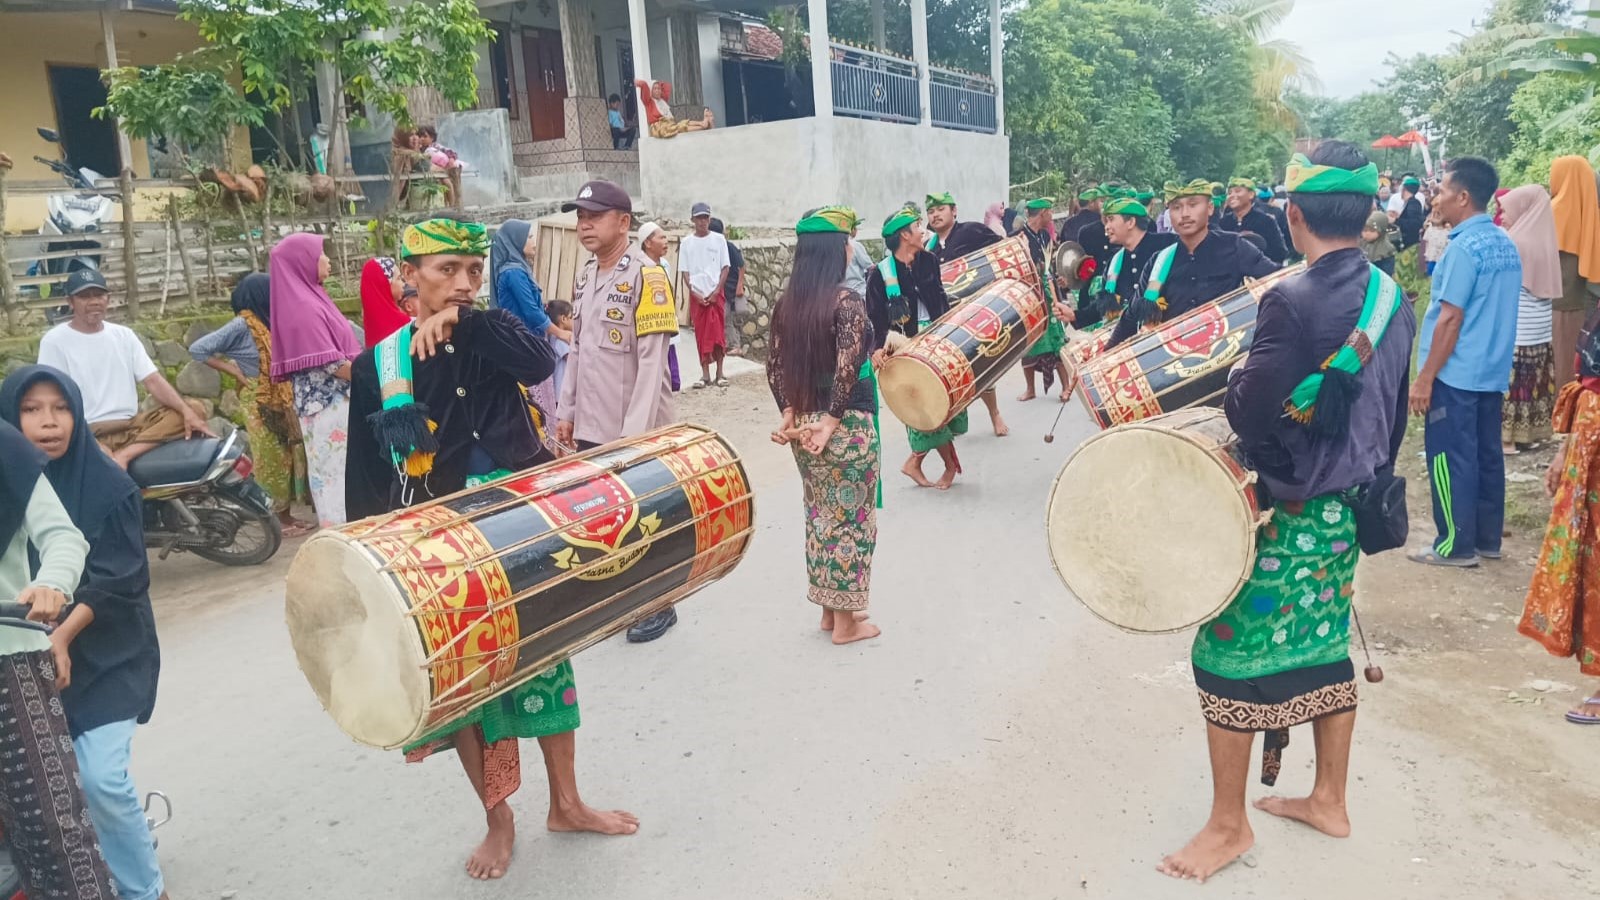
<point x="996" y="742"/>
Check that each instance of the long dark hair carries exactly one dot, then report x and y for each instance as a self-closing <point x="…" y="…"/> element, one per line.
<point x="803" y="319"/>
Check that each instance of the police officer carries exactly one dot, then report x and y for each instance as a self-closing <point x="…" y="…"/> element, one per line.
<point x="617" y="383"/>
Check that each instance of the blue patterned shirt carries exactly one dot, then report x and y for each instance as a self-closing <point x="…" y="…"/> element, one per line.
<point x="1481" y="275"/>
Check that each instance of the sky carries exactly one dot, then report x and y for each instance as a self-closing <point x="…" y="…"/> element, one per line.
<point x="1340" y="38"/>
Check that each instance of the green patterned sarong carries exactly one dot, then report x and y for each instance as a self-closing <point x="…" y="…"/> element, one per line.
<point x="1294" y="611"/>
<point x="925" y="441"/>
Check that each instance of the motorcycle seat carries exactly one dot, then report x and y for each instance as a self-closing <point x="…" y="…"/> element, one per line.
<point x="175" y="462"/>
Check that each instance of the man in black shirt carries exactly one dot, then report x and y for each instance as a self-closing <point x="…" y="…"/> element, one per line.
<point x="1411" y="218"/>
<point x="1201" y="267"/>
<point x="1127" y="224"/>
<point x="1264" y="203"/>
<point x="1241" y="214"/>
<point x="1090" y="204"/>
<point x="951" y="239"/>
<point x="905" y="294"/>
<point x="461" y="369"/>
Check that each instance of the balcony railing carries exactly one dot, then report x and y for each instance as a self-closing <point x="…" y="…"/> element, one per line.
<point x="872" y="85"/>
<point x="961" y="101"/>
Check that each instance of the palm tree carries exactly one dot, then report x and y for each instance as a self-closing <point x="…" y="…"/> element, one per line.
<point x="1281" y="66"/>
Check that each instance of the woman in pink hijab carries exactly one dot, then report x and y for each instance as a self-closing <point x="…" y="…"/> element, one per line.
<point x="1527" y="217"/>
<point x="312" y="347"/>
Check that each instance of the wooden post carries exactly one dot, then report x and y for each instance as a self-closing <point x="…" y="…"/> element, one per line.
<point x="211" y="256"/>
<point x="130" y="241"/>
<point x="183" y="250"/>
<point x="8" y="293"/>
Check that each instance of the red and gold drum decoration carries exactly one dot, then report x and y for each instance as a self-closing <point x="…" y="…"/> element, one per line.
<point x="1176" y="365"/>
<point x="965" y="277"/>
<point x="938" y="373"/>
<point x="404" y="622"/>
<point x="1189" y="471"/>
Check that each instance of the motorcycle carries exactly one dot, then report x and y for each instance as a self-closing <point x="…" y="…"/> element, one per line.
<point x="82" y="211"/>
<point x="199" y="497"/>
<point x="14" y="615"/>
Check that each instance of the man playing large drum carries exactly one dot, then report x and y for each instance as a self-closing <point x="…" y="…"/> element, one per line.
<point x="1202" y="266"/>
<point x="950" y="239"/>
<point x="435" y="408"/>
<point x="1127" y="226"/>
<point x="1319" y="407"/>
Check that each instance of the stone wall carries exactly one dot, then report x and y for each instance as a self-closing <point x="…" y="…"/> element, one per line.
<point x="767" y="263"/>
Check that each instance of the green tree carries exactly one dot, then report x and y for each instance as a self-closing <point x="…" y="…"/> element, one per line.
<point x="1280" y="66"/>
<point x="376" y="50"/>
<point x="193" y="105"/>
<point x="1552" y="117"/>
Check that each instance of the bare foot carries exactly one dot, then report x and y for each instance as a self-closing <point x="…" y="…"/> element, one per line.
<point x="1331" y="820"/>
<point x="1001" y="429"/>
<point x="913" y="470"/>
<point x="1209" y="852"/>
<point x="947" y="479"/>
<point x="855" y="630"/>
<point x="1028" y="396"/>
<point x="490" y="859"/>
<point x="827" y="618"/>
<point x="583" y="817"/>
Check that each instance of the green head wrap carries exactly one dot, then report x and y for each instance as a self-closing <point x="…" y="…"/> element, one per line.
<point x="905" y="217"/>
<point x="943" y="199"/>
<point x="1410" y="183"/>
<point x="445" y="236"/>
<point x="1039" y="203"/>
<point x="1122" y="206"/>
<point x="1304" y="177"/>
<point x="1242" y="182"/>
<point x="1145" y="196"/>
<point x="1196" y="188"/>
<point x="1091" y="195"/>
<point x="828" y="220"/>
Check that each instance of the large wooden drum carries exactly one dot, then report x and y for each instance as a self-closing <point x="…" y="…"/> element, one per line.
<point x="1152" y="525"/>
<point x="404" y="622"/>
<point x="965" y="277"/>
<point x="938" y="373"/>
<point x="1178" y="364"/>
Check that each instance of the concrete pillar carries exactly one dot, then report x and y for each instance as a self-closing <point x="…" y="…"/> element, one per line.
<point x="577" y="49"/>
<point x="919" y="53"/>
<point x="880" y="32"/>
<point x="107" y="28"/>
<point x="639" y="36"/>
<point x="997" y="65"/>
<point x="821" y="58"/>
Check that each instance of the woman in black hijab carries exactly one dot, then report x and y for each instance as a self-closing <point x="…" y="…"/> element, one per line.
<point x="110" y="634"/>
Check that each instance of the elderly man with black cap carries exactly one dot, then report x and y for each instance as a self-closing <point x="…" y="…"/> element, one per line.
<point x="617" y="383"/>
<point x="108" y="363"/>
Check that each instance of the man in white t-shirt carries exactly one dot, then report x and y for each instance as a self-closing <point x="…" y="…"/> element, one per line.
<point x="108" y="363"/>
<point x="703" y="262"/>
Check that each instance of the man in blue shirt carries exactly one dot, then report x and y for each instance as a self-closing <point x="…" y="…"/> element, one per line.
<point x="1468" y="337"/>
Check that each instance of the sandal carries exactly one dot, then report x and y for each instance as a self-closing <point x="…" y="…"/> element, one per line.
<point x="722" y="382"/>
<point x="698" y="385"/>
<point x="1583" y="718"/>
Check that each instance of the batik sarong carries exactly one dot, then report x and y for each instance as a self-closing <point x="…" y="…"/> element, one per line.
<point x="42" y="810"/>
<point x="841" y="491"/>
<point x="1279" y="654"/>
<point x="1562" y="610"/>
<point x="1532" y="396"/>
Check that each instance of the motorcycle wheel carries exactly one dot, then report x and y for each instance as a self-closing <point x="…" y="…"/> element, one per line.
<point x="256" y="535"/>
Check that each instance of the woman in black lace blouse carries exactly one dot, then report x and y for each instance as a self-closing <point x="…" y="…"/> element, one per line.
<point x="820" y="372"/>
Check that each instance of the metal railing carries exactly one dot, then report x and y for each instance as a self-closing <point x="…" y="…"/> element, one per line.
<point x="872" y="85"/>
<point x="961" y="101"/>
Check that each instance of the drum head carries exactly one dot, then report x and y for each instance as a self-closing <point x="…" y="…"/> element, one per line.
<point x="914" y="393"/>
<point x="358" y="648"/>
<point x="1149" y="529"/>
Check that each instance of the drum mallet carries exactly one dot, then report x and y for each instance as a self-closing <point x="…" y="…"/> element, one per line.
<point x="1051" y="437"/>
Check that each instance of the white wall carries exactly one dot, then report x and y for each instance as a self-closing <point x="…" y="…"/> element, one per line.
<point x="767" y="174"/>
<point x="711" y="65"/>
<point x="660" y="50"/>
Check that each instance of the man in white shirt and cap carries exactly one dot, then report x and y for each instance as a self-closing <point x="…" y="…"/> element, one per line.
<point x="703" y="263"/>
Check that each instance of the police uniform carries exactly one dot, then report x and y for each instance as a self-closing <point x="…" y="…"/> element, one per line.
<point x="617" y="382"/>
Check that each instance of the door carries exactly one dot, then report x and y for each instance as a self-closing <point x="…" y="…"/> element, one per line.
<point x="547" y="83"/>
<point x="89" y="142"/>
<point x="630" y="91"/>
